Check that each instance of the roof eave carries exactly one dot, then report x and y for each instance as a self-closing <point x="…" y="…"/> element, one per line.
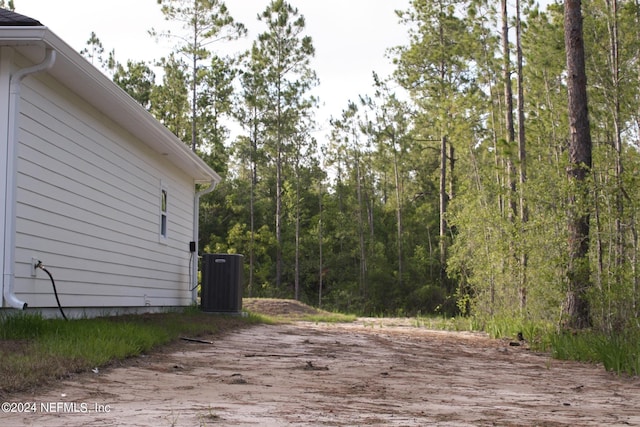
<point x="80" y="76"/>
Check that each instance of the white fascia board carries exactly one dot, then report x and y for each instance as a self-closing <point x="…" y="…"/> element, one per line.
<point x="80" y="76"/>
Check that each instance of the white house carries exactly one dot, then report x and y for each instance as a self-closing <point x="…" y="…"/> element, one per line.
<point x="96" y="189"/>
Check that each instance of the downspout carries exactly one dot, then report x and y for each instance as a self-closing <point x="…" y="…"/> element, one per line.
<point x="196" y="230"/>
<point x="12" y="173"/>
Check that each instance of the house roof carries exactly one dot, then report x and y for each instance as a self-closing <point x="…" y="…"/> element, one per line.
<point x="9" y="18"/>
<point x="31" y="39"/>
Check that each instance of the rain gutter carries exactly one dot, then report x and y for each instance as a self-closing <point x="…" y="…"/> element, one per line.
<point x="15" y="84"/>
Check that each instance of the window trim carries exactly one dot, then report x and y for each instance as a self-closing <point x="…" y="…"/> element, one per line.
<point x="163" y="226"/>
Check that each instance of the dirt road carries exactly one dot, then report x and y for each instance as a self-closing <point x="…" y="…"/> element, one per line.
<point x="365" y="373"/>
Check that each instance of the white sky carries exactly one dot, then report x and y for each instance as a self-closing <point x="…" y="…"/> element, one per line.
<point x="350" y="36"/>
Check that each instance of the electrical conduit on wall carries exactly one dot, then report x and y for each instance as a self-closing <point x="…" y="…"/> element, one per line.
<point x="196" y="225"/>
<point x="11" y="177"/>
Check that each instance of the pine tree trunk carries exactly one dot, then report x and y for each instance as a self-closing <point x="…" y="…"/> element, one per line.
<point x="522" y="157"/>
<point x="576" y="310"/>
<point x="278" y="218"/>
<point x="297" y="266"/>
<point x="194" y="100"/>
<point x="320" y="247"/>
<point x="496" y="152"/>
<point x="637" y="21"/>
<point x="252" y="215"/>
<point x="363" y="254"/>
<point x="443" y="211"/>
<point x="636" y="278"/>
<point x="398" y="213"/>
<point x="508" y="97"/>
<point x="612" y="5"/>
<point x="194" y="86"/>
<point x="297" y="250"/>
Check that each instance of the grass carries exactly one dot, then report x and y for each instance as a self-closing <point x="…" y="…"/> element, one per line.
<point x="329" y="318"/>
<point x="447" y="323"/>
<point x="321" y="317"/>
<point x="34" y="350"/>
<point x="619" y="353"/>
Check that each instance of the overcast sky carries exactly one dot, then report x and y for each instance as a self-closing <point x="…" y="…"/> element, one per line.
<point x="350" y="36"/>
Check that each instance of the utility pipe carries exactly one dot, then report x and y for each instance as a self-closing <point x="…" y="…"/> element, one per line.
<point x="12" y="173"/>
<point x="196" y="226"/>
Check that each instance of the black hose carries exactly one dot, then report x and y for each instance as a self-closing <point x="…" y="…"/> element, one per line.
<point x="191" y="260"/>
<point x="55" y="291"/>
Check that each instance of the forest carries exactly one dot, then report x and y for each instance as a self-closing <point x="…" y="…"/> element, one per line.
<point x="451" y="188"/>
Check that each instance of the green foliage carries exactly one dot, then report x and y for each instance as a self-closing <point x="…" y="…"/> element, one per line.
<point x="170" y="100"/>
<point x="137" y="79"/>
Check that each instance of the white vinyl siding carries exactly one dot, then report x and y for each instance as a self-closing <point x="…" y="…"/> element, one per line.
<point x="88" y="209"/>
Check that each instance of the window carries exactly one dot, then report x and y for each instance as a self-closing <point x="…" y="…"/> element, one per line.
<point x="163" y="213"/>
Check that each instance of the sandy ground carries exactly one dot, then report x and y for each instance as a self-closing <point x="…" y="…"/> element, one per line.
<point x="370" y="372"/>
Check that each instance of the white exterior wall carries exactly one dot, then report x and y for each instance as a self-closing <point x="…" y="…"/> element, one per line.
<point x="89" y="209"/>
